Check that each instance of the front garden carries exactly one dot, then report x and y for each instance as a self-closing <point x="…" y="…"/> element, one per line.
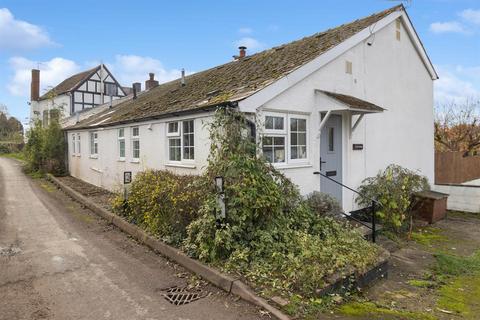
<point x="281" y="244"/>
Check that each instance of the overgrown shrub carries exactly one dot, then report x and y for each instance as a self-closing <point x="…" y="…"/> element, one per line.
<point x="323" y="204"/>
<point x="394" y="189"/>
<point x="10" y="147"/>
<point x="270" y="236"/>
<point x="163" y="203"/>
<point x="45" y="148"/>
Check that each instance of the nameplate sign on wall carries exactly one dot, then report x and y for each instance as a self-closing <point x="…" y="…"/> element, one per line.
<point x="358" y="146"/>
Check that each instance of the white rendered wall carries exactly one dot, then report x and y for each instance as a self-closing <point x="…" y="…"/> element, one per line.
<point x="390" y="74"/>
<point x="61" y="102"/>
<point x="461" y="198"/>
<point x="107" y="169"/>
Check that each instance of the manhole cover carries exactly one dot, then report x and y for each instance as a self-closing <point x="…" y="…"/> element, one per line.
<point x="182" y="295"/>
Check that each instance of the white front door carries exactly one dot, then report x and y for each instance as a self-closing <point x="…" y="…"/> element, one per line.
<point x="331" y="157"/>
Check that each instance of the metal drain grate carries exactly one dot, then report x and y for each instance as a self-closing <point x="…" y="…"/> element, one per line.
<point x="182" y="295"/>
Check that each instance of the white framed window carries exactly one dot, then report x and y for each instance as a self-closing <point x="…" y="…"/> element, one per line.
<point x="79" y="145"/>
<point x="73" y="144"/>
<point x="298" y="138"/>
<point x="135" y="143"/>
<point x="94" y="143"/>
<point x="273" y="148"/>
<point x="188" y="140"/>
<point x="275" y="123"/>
<point x="285" y="139"/>
<point x="121" y="143"/>
<point x="181" y="140"/>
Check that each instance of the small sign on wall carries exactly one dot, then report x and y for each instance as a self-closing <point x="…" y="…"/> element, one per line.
<point x="358" y="146"/>
<point x="127" y="177"/>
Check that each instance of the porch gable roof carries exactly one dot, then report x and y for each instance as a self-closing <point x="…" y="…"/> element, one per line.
<point x="353" y="103"/>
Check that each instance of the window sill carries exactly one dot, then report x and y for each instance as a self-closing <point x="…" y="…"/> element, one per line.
<point x="93" y="156"/>
<point x="181" y="165"/>
<point x="134" y="161"/>
<point x="121" y="160"/>
<point x="293" y="166"/>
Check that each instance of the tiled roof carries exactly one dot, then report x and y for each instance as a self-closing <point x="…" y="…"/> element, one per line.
<point x="353" y="102"/>
<point x="232" y="81"/>
<point x="69" y="84"/>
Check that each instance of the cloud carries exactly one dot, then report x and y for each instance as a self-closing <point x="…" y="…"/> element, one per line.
<point x="457" y="84"/>
<point x="128" y="69"/>
<point x="52" y="72"/>
<point x="245" y="30"/>
<point x="21" y="35"/>
<point x="447" y="27"/>
<point x="470" y="15"/>
<point x="251" y="43"/>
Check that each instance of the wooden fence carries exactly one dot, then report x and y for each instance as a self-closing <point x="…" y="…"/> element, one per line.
<point x="453" y="167"/>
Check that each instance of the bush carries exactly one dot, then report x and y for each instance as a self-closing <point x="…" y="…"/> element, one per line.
<point x="45" y="148"/>
<point x="162" y="203"/>
<point x="394" y="189"/>
<point x="270" y="236"/>
<point x="323" y="204"/>
<point x="10" y="147"/>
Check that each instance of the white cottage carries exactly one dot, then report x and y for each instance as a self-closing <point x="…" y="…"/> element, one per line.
<point x="79" y="92"/>
<point x="346" y="102"/>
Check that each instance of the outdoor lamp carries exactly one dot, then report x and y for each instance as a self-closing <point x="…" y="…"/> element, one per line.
<point x="219" y="184"/>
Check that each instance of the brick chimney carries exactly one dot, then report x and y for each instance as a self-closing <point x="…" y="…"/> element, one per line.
<point x="35" y="85"/>
<point x="151" y="83"/>
<point x="241" y="54"/>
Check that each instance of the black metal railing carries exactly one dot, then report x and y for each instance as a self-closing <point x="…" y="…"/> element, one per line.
<point x="372" y="208"/>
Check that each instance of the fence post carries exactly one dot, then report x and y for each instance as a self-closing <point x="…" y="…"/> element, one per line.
<point x="374" y="229"/>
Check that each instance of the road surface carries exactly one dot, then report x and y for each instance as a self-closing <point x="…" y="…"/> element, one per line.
<point x="60" y="261"/>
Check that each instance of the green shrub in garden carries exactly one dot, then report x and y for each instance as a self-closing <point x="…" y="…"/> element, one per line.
<point x="45" y="148"/>
<point x="394" y="189"/>
<point x="163" y="203"/>
<point x="270" y="236"/>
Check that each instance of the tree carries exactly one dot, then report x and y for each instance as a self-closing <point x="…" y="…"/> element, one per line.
<point x="457" y="127"/>
<point x="11" y="129"/>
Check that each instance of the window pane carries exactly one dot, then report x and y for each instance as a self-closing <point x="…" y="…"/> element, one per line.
<point x="294" y="152"/>
<point x="174" y="149"/>
<point x="302" y="139"/>
<point x="135" y="131"/>
<point x="268" y="122"/>
<point x="267" y="141"/>
<point x="173" y="127"/>
<point x="279" y="154"/>
<point x="331" y="141"/>
<point x="302" y="124"/>
<point x="293" y="125"/>
<point x="279" y="141"/>
<point x="136" y="149"/>
<point x="302" y="152"/>
<point x="122" y="148"/>
<point x="278" y="123"/>
<point x="268" y="153"/>
<point x="121" y="132"/>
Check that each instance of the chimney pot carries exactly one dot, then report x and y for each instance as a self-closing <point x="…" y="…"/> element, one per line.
<point x="136" y="88"/>
<point x="152" y="75"/>
<point x="183" y="77"/>
<point x="35" y="85"/>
